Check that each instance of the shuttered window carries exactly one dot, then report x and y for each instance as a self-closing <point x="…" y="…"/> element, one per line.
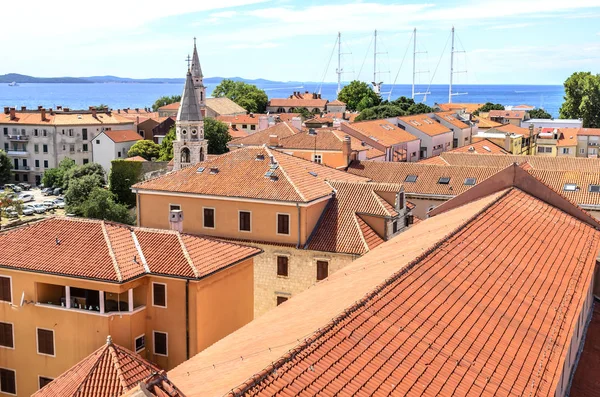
<point x="322" y="270"/>
<point x="281" y="299"/>
<point x="160" y="343"/>
<point x="283" y="224"/>
<point x="6" y="335"/>
<point x="244" y="221"/>
<point x="8" y="381"/>
<point x="5" y="292"/>
<point x="159" y="295"/>
<point x="209" y="217"/>
<point x="282" y="266"/>
<point x="45" y="341"/>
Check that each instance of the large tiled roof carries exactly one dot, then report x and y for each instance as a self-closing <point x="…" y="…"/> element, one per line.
<point x="341" y="228"/>
<point x="468" y="107"/>
<point x="110" y="371"/>
<point x="65" y="119"/>
<point x="241" y="173"/>
<point x="382" y="131"/>
<point x="428" y="176"/>
<point x="171" y="106"/>
<point x="485" y="123"/>
<point x="582" y="180"/>
<point x="260" y="138"/>
<point x="586" y="382"/>
<point x="483" y="146"/>
<point x="240" y="119"/>
<point x="507" y="114"/>
<point x="298" y="102"/>
<point x="451" y="118"/>
<point x="512" y="129"/>
<point x="106" y="251"/>
<point x="425" y="124"/>
<point x="589" y="131"/>
<point x="119" y="136"/>
<point x="224" y="106"/>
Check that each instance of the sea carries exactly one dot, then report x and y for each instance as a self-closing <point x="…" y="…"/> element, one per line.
<point x="142" y="95"/>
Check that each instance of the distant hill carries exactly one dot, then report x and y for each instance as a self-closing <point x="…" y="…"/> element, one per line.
<point x="21" y="78"/>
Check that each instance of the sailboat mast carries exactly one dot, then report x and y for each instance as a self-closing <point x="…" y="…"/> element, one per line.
<point x="339" y="69"/>
<point x="414" y="61"/>
<point x="375" y="59"/>
<point x="451" y="68"/>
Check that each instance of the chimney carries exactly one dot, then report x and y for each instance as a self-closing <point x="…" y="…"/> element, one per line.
<point x="23" y="108"/>
<point x="346" y="149"/>
<point x="319" y="96"/>
<point x="272" y="159"/>
<point x="66" y="109"/>
<point x="12" y="114"/>
<point x="59" y="107"/>
<point x="137" y="119"/>
<point x="273" y="141"/>
<point x="507" y="142"/>
<point x="297" y="123"/>
<point x="314" y="95"/>
<point x="251" y="114"/>
<point x="263" y="123"/>
<point x="137" y="110"/>
<point x="119" y="111"/>
<point x="6" y="110"/>
<point x="43" y="114"/>
<point x="337" y="124"/>
<point x="176" y="220"/>
<point x="93" y="109"/>
<point x="40" y="107"/>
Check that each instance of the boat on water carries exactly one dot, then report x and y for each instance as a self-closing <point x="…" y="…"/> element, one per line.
<point x="13" y="84"/>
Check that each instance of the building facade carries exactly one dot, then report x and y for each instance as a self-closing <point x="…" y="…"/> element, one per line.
<point x="113" y="145"/>
<point x="435" y="138"/>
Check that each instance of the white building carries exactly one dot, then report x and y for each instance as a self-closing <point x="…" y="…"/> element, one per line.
<point x="36" y="140"/>
<point x="435" y="138"/>
<point x="552" y="123"/>
<point x="462" y="131"/>
<point x="113" y="144"/>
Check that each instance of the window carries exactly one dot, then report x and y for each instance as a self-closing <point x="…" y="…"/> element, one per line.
<point x="36" y="148"/>
<point x="140" y="343"/>
<point x="582" y="151"/>
<point x="85" y="161"/>
<point x="566" y="150"/>
<point x="395" y="227"/>
<point x="8" y="381"/>
<point x="159" y="294"/>
<point x="410" y="178"/>
<point x="174" y="207"/>
<point x="45" y="341"/>
<point x="244" y="221"/>
<point x="45" y="163"/>
<point x="70" y="132"/>
<point x="244" y="126"/>
<point x="84" y="134"/>
<point x="7" y="335"/>
<point x="570" y="187"/>
<point x="37" y="163"/>
<point x="25" y="178"/>
<point x="317" y="158"/>
<point x="283" y="224"/>
<point x="16" y="177"/>
<point x="25" y="163"/>
<point x="470" y="181"/>
<point x="444" y="180"/>
<point x="401" y="200"/>
<point x="45" y="132"/>
<point x="119" y="154"/>
<point x="5" y="131"/>
<point x="45" y="148"/>
<point x="282" y="266"/>
<point x="6" y="146"/>
<point x="5" y="289"/>
<point x="209" y="218"/>
<point x="252" y="127"/>
<point x="85" y="147"/>
<point x="281" y="299"/>
<point x="35" y="132"/>
<point x="160" y="343"/>
<point x="97" y="141"/>
<point x="322" y="270"/>
<point x="594" y="188"/>
<point x="43" y="381"/>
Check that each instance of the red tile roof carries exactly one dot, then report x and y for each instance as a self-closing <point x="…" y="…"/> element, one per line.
<point x="298" y="103"/>
<point x="260" y="138"/>
<point x="467" y="107"/>
<point x="171" y="106"/>
<point x="451" y="118"/>
<point x="241" y="173"/>
<point x="589" y="131"/>
<point x="135" y="158"/>
<point x="512" y="129"/>
<point x="107" y="251"/>
<point x="108" y="372"/>
<point x="240" y="119"/>
<point x="483" y="146"/>
<point x="425" y="124"/>
<point x="507" y="114"/>
<point x="586" y="382"/>
<point x="382" y="131"/>
<point x="119" y="136"/>
<point x="336" y="102"/>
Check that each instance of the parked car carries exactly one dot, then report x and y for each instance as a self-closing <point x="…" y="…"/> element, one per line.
<point x="39" y="208"/>
<point x="26" y="197"/>
<point x="57" y="191"/>
<point x="17" y="189"/>
<point x="9" y="186"/>
<point x="27" y="210"/>
<point x="47" y="191"/>
<point x="24" y="186"/>
<point x="11" y="213"/>
<point x="49" y="204"/>
<point x="59" y="203"/>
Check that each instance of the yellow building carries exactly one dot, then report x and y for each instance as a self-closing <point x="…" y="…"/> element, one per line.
<point x="511" y="138"/>
<point x="65" y="284"/>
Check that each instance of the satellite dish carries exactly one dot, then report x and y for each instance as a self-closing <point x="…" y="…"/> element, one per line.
<point x="22" y="299"/>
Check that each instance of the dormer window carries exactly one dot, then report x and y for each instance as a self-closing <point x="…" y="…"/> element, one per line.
<point x="570" y="187"/>
<point x="594" y="188"/>
<point x="411" y="178"/>
<point x="470" y="181"/>
<point x="444" y="180"/>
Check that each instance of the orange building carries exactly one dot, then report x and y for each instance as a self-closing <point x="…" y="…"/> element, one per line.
<point x="65" y="284"/>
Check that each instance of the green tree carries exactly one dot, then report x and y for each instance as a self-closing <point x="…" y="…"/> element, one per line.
<point x="5" y="168"/>
<point x="539" y="114"/>
<point x="123" y="174"/>
<point x="101" y="204"/>
<point x="582" y="99"/>
<point x="54" y="177"/>
<point x="217" y="134"/>
<point x="7" y="201"/>
<point x="78" y="172"/>
<point x="358" y="96"/>
<point x="380" y="112"/>
<point x="146" y="149"/>
<point x="248" y="96"/>
<point x="304" y="113"/>
<point x="165" y="100"/>
<point x="487" y="107"/>
<point x="166" y="146"/>
<point x="79" y="190"/>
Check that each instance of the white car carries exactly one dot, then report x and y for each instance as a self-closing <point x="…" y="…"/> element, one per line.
<point x="49" y="204"/>
<point x="25" y="197"/>
<point x="39" y="208"/>
<point x="27" y="210"/>
<point x="59" y="203"/>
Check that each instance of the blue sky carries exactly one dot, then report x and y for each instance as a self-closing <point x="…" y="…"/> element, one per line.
<point x="506" y="42"/>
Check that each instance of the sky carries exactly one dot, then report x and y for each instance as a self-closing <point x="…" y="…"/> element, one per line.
<point x="504" y="41"/>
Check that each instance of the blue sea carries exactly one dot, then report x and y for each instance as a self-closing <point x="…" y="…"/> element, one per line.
<point x="132" y="95"/>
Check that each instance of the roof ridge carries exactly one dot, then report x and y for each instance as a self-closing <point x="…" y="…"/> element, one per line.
<point x="378" y="198"/>
<point x="111" y="253"/>
<point x="360" y="233"/>
<point x="281" y="168"/>
<point x="114" y="354"/>
<point x="187" y="256"/>
<point x="89" y="373"/>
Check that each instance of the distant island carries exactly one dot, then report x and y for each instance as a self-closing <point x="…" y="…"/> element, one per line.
<point x="21" y="78"/>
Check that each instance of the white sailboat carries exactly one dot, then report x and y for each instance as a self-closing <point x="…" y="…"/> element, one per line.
<point x="13" y="84"/>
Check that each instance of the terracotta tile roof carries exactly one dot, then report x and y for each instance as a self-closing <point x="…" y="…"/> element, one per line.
<point x="336" y="102"/>
<point x="383" y="131"/>
<point x="324" y="139"/>
<point x="106" y="251"/>
<point x="467" y="107"/>
<point x="240" y="355"/>
<point x="486" y="123"/>
<point x="523" y="107"/>
<point x="298" y="103"/>
<point x="589" y="131"/>
<point x="119" y="136"/>
<point x="483" y="146"/>
<point x="27" y="119"/>
<point x="341" y="228"/>
<point x="260" y="138"/>
<point x="234" y="133"/>
<point x="437" y="160"/>
<point x="64" y="119"/>
<point x="287" y="116"/>
<point x="240" y="119"/>
<point x="507" y="114"/>
<point x="567" y="138"/>
<point x="157" y="385"/>
<point x="224" y="106"/>
<point x="109" y="371"/>
<point x="241" y="173"/>
<point x="451" y="118"/>
<point x="586" y="382"/>
<point x="582" y="181"/>
<point x="425" y="124"/>
<point x="428" y="176"/>
<point x="135" y="158"/>
<point x="170" y="106"/>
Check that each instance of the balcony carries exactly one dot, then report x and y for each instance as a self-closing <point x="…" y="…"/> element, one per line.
<point x="90" y="301"/>
<point x="22" y="168"/>
<point x="18" y="153"/>
<point x="18" y="137"/>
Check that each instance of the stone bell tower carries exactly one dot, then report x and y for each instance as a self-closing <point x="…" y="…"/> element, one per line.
<point x="189" y="146"/>
<point x="197" y="78"/>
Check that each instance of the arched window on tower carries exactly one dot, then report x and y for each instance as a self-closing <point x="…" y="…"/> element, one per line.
<point x="185" y="155"/>
<point x="201" y="96"/>
<point x="201" y="154"/>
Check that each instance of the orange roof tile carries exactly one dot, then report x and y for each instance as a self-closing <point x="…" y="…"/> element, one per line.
<point x="240" y="119"/>
<point x="589" y="131"/>
<point x="119" y="136"/>
<point x="425" y="124"/>
<point x="485" y="123"/>
<point x="106" y="251"/>
<point x="108" y="372"/>
<point x="170" y="106"/>
<point x="241" y="173"/>
<point x="382" y="131"/>
<point x="260" y="138"/>
<point x="483" y="146"/>
<point x="135" y="158"/>
<point x="451" y="118"/>
<point x="298" y="103"/>
<point x="336" y="102"/>
<point x="507" y="114"/>
<point x="467" y="107"/>
<point x="567" y="138"/>
<point x="512" y="129"/>
<point x="437" y="160"/>
<point x="287" y="116"/>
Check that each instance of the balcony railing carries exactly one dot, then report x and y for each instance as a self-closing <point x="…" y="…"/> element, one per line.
<point x="22" y="168"/>
<point x="18" y="137"/>
<point x="18" y="153"/>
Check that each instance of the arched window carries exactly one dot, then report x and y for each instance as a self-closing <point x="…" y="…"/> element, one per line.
<point x="185" y="155"/>
<point x="316" y="111"/>
<point x="201" y="154"/>
<point x="291" y="110"/>
<point x="280" y="110"/>
<point x="184" y="132"/>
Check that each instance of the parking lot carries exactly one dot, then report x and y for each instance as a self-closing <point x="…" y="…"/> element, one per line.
<point x="38" y="198"/>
